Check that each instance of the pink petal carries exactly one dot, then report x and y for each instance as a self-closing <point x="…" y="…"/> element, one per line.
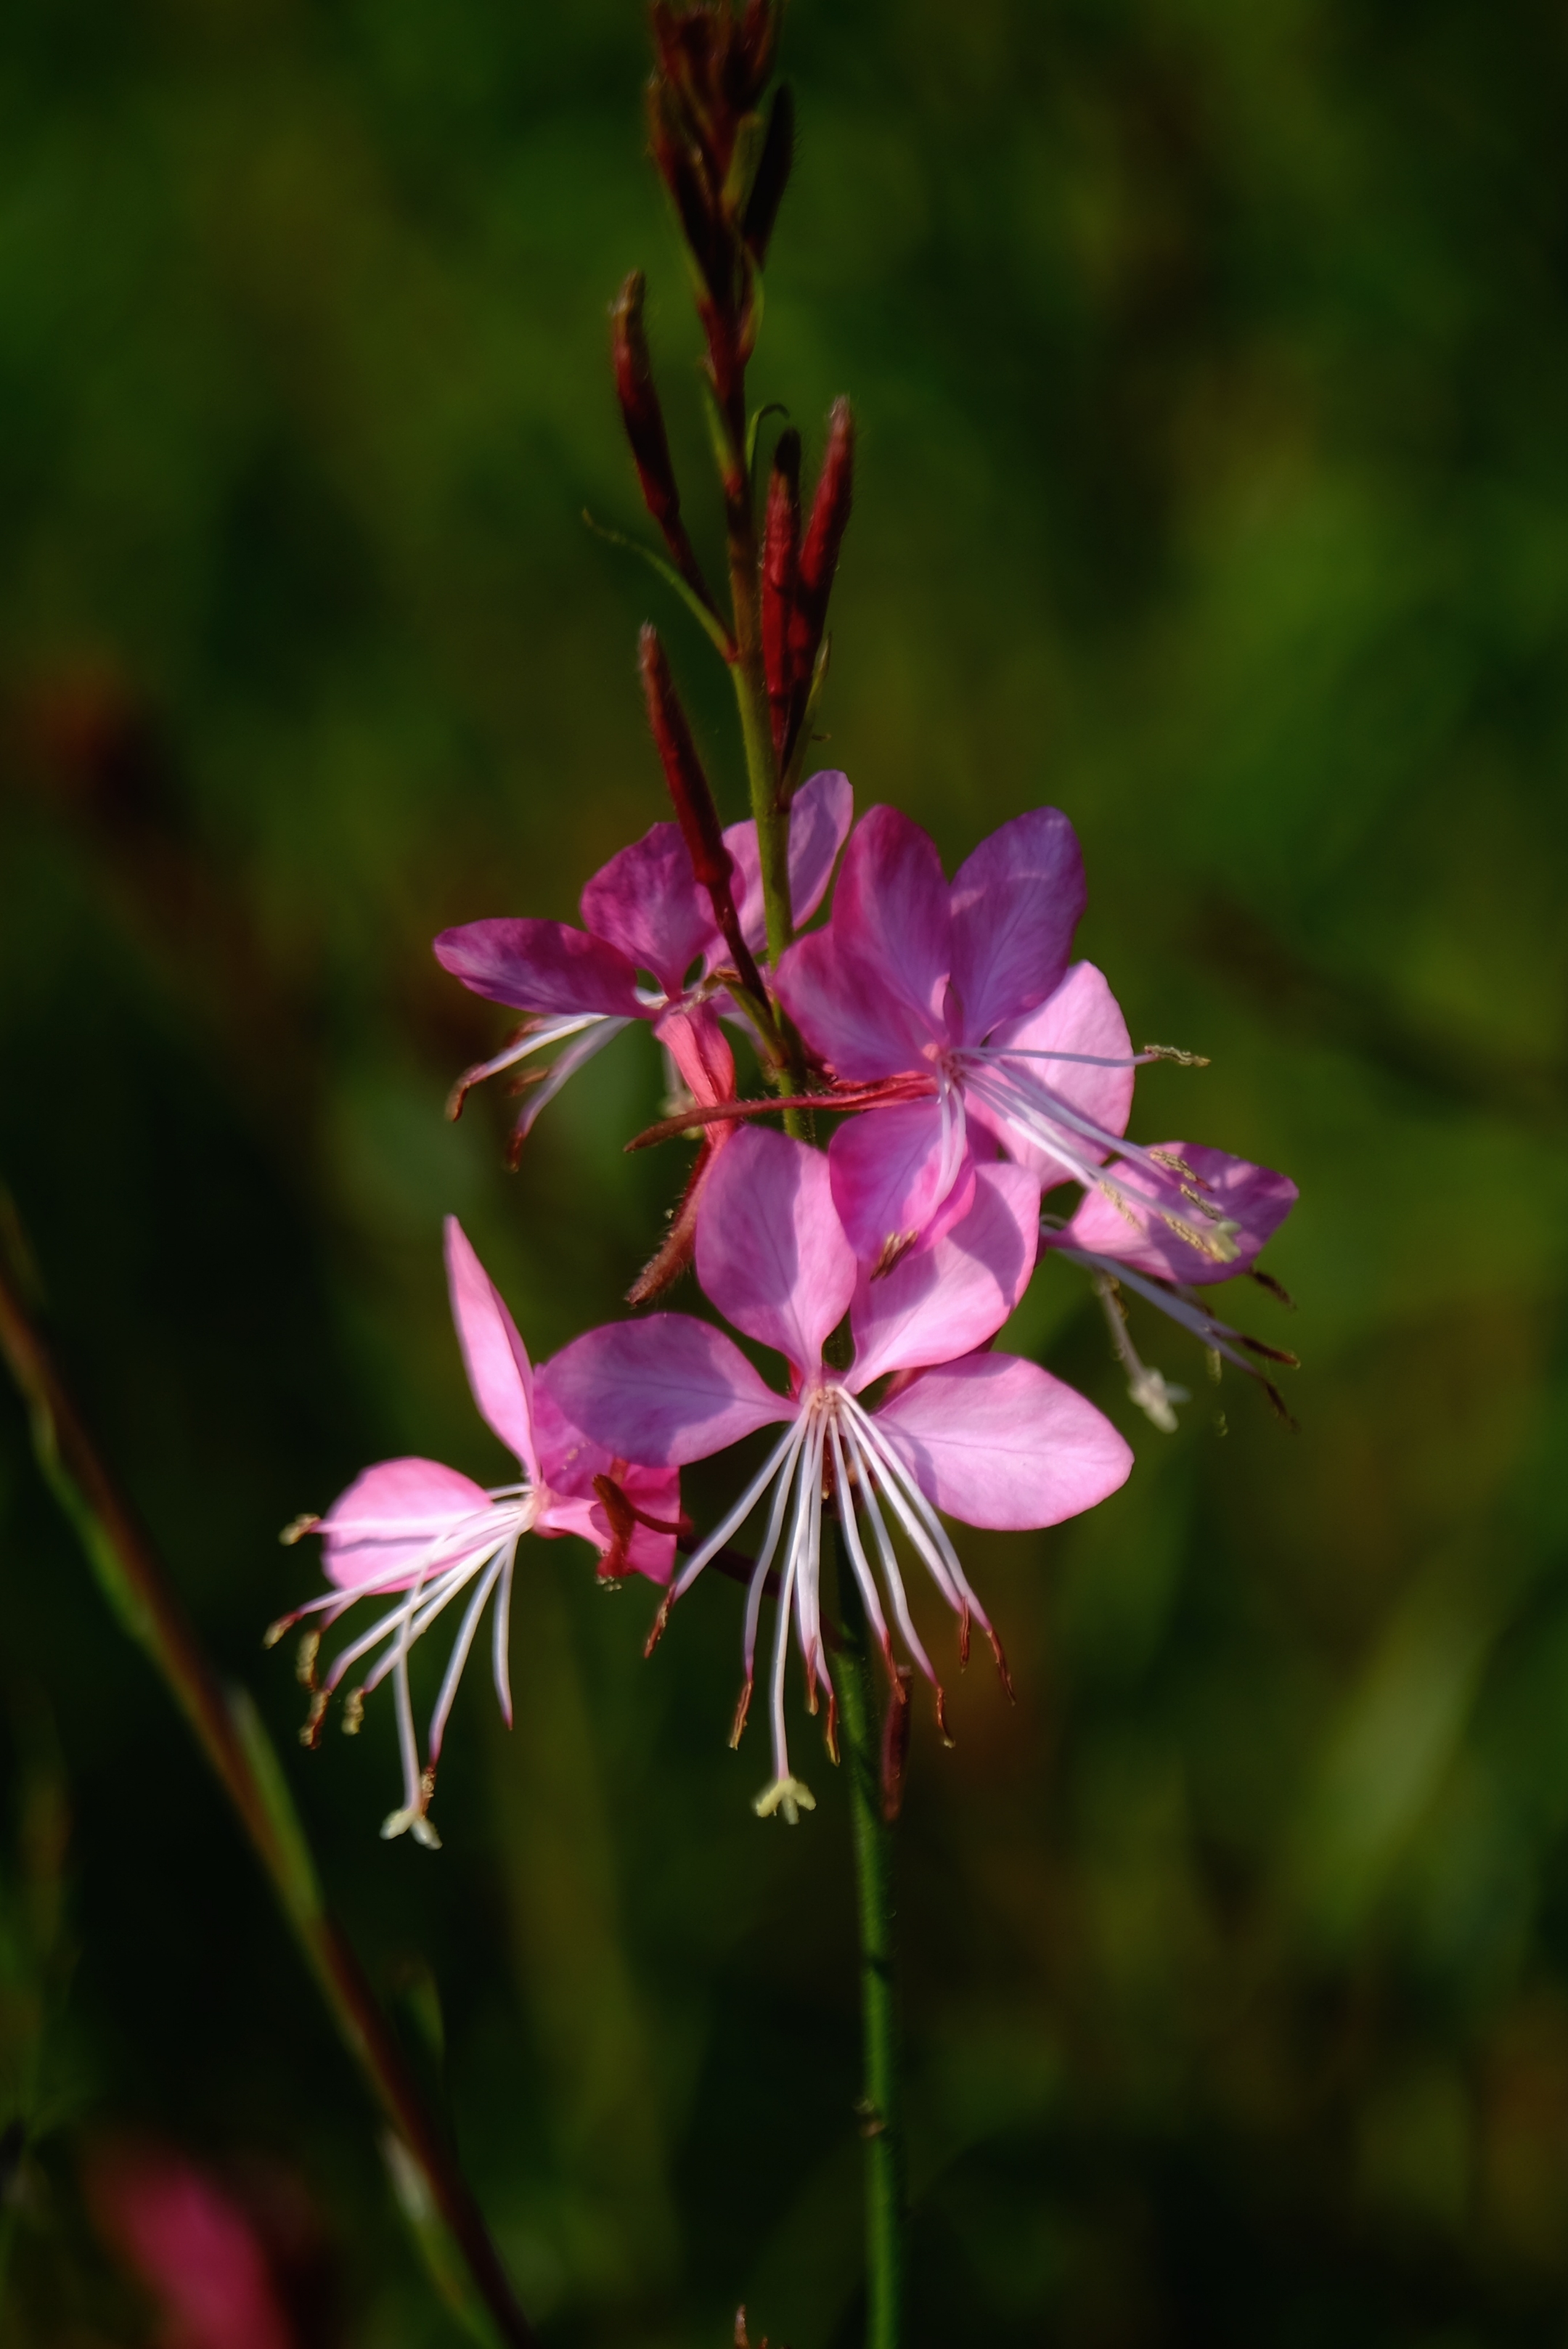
<point x="771" y="1251"/>
<point x="1253" y="1197"/>
<point x="568" y="1463"/>
<point x="1081" y="1015"/>
<point x="390" y="1516"/>
<point x="540" y="967"/>
<point x="664" y="1390"/>
<point x="647" y="902"/>
<point x="701" y="1050"/>
<point x="892" y="1176"/>
<point x="999" y="1442"/>
<point x="820" y="816"/>
<point x="496" y="1358"/>
<point x="891" y="910"/>
<point x="1015" y="905"/>
<point x="946" y="1299"/>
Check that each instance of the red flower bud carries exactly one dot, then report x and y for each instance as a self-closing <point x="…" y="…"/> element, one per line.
<point x="824" y="537"/>
<point x="694" y="809"/>
<point x="772" y="176"/>
<point x="781" y="557"/>
<point x="639" y="407"/>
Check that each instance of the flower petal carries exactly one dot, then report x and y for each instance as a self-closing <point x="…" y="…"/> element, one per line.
<point x="771" y="1251"/>
<point x="867" y="992"/>
<point x="385" y="1523"/>
<point x="701" y="1050"/>
<point x="893" y="1171"/>
<point x="494" y="1354"/>
<point x="647" y="902"/>
<point x="946" y="1299"/>
<point x="820" y="815"/>
<point x="664" y="1390"/>
<point x="1254" y="1198"/>
<point x="891" y="910"/>
<point x="1015" y="905"/>
<point x="540" y="967"/>
<point x="1079" y="1016"/>
<point x="996" y="1441"/>
<point x="568" y="1463"/>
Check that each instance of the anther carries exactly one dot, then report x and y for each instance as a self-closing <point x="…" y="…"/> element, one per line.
<point x="1174" y="1052"/>
<point x="353" y="1711"/>
<point x="310" y="1732"/>
<point x="305" y="1661"/>
<point x="741" y="1709"/>
<point x="788" y="1796"/>
<point x="297" y="1527"/>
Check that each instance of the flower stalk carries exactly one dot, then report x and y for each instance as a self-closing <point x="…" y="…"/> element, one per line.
<point x="242" y="1757"/>
<point x="881" y="2101"/>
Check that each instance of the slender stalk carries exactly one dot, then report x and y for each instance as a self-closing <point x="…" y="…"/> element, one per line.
<point x="881" y="2104"/>
<point x="237" y="1748"/>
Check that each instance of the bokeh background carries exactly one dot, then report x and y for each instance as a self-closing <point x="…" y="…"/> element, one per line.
<point x="1212" y="367"/>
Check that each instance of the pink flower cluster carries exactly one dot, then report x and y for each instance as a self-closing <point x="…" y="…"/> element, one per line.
<point x="972" y="1068"/>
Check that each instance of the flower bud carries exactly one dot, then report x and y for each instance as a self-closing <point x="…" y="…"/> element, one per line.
<point x="694" y="809"/>
<point x="641" y="411"/>
<point x="824" y="537"/>
<point x="781" y="558"/>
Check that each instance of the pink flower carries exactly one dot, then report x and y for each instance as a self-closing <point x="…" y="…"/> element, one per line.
<point x="421" y="1534"/>
<point x="644" y="911"/>
<point x="1159" y="1262"/>
<point x="981" y="1436"/>
<point x="192" y="2248"/>
<point x="960" y="1004"/>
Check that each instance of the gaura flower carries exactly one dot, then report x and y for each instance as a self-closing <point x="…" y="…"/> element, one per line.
<point x="956" y="1007"/>
<point x="1158" y="1263"/>
<point x="981" y="1436"/>
<point x="644" y="911"/>
<point x="420" y="1534"/>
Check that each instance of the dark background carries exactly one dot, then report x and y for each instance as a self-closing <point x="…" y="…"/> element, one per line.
<point x="1212" y="368"/>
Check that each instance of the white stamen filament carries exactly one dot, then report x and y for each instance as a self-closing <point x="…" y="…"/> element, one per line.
<point x="867" y="1470"/>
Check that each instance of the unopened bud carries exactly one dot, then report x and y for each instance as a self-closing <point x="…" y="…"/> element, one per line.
<point x="693" y="801"/>
<point x="824" y="537"/>
<point x="640" y="408"/>
<point x="781" y="559"/>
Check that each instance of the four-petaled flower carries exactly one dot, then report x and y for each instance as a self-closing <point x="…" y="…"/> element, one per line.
<point x="956" y="1007"/>
<point x="984" y="1437"/>
<point x="419" y="1534"/>
<point x="644" y="913"/>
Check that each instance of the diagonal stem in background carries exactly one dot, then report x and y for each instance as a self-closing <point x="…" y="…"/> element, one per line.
<point x="241" y="1754"/>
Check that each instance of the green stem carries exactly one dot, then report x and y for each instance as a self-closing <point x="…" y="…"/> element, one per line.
<point x="881" y="2105"/>
<point x="231" y="1736"/>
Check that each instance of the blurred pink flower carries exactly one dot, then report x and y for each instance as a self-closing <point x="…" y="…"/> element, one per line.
<point x="425" y="1532"/>
<point x="645" y="911"/>
<point x="194" y="2249"/>
<point x="959" y="1002"/>
<point x="984" y="1437"/>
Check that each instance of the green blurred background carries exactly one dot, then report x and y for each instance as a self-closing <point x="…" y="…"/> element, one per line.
<point x="1212" y="368"/>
